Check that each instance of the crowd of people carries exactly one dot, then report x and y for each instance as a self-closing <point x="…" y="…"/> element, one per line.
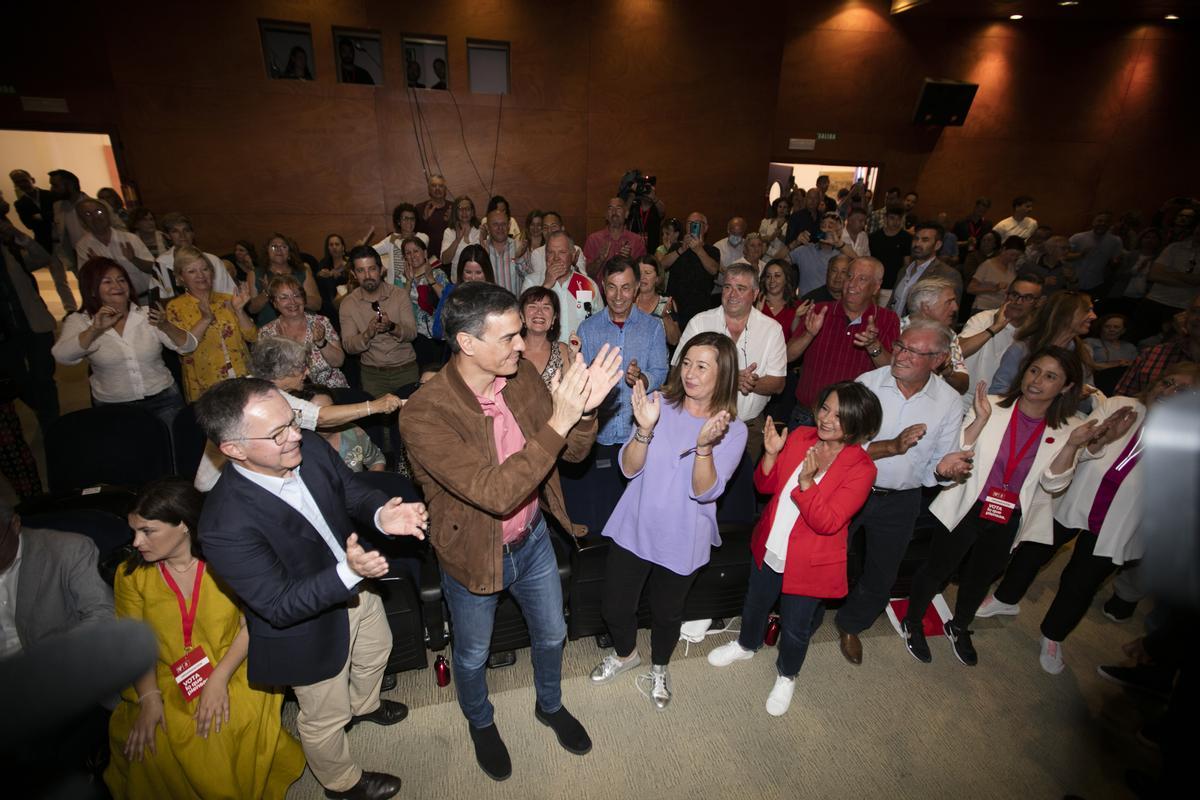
<point x="869" y="364"/>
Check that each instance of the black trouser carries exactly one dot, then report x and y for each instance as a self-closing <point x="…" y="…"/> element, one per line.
<point x="626" y="575"/>
<point x="988" y="544"/>
<point x="27" y="359"/>
<point x="1080" y="580"/>
<point x="886" y="521"/>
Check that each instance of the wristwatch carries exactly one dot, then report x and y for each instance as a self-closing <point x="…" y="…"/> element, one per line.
<point x="875" y="353"/>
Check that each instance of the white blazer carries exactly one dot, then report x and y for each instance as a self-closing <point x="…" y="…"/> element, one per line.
<point x="952" y="505"/>
<point x="1118" y="538"/>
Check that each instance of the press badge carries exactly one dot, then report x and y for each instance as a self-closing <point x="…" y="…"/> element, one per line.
<point x="191" y="673"/>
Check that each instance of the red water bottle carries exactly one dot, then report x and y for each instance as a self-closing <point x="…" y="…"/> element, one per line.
<point x="441" y="671"/>
<point x="772" y="634"/>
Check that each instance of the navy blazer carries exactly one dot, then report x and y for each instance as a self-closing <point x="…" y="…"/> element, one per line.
<point x="282" y="570"/>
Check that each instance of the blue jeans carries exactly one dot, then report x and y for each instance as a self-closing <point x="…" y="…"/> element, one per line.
<point x="799" y="618"/>
<point x="531" y="577"/>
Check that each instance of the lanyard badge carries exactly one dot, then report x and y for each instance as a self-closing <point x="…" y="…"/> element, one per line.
<point x="1000" y="503"/>
<point x="193" y="670"/>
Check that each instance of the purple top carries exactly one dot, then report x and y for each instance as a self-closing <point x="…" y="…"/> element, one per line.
<point x="1112" y="480"/>
<point x="658" y="518"/>
<point x="1026" y="427"/>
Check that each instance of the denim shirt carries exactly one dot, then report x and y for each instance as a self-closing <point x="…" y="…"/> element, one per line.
<point x="642" y="338"/>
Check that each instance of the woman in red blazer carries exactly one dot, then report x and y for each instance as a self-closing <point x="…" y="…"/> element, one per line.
<point x="819" y="478"/>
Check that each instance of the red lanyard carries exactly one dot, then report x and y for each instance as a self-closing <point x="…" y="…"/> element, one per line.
<point x="189" y="617"/>
<point x="1010" y="466"/>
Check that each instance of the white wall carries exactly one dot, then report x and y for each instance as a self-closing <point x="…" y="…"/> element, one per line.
<point x="41" y="151"/>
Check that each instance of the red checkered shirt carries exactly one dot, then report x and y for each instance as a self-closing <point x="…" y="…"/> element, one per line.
<point x="1150" y="365"/>
<point x="832" y="356"/>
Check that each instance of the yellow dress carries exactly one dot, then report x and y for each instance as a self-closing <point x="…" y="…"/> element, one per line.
<point x="221" y="352"/>
<point x="252" y="756"/>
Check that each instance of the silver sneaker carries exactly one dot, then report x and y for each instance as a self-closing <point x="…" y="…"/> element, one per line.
<point x="659" y="681"/>
<point x="612" y="666"/>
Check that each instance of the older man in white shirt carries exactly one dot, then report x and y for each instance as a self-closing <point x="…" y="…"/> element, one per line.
<point x="103" y="239"/>
<point x="916" y="446"/>
<point x="761" y="348"/>
<point x="578" y="296"/>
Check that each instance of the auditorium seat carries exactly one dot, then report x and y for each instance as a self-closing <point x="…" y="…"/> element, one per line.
<point x="188" y="441"/>
<point x="115" y="445"/>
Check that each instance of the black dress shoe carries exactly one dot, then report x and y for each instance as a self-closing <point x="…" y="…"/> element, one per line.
<point x="389" y="683"/>
<point x="371" y="786"/>
<point x="570" y="733"/>
<point x="389" y="713"/>
<point x="490" y="752"/>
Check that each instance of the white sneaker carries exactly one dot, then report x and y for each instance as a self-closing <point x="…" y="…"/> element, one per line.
<point x="992" y="607"/>
<point x="1051" y="658"/>
<point x="612" y="666"/>
<point x="726" y="654"/>
<point x="780" y="697"/>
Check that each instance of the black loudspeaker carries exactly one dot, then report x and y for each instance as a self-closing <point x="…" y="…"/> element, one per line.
<point x="944" y="102"/>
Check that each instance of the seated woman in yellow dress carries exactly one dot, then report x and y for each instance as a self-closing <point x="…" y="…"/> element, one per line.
<point x="218" y="321"/>
<point x="183" y="731"/>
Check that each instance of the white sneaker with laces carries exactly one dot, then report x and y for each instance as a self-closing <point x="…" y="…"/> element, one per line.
<point x="780" y="698"/>
<point x="992" y="607"/>
<point x="728" y="653"/>
<point x="1051" y="658"/>
<point x="612" y="666"/>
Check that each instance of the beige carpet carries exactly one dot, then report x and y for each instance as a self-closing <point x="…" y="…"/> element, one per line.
<point x="892" y="728"/>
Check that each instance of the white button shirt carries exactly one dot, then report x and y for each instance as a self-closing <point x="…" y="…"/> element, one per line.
<point x="88" y="243"/>
<point x="125" y="366"/>
<point x="761" y="343"/>
<point x="10" y="640"/>
<point x="937" y="405"/>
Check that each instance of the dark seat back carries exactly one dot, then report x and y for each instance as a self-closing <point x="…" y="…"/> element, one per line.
<point x="107" y="444"/>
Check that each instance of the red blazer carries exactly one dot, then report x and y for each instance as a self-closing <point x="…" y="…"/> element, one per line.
<point x="816" y="554"/>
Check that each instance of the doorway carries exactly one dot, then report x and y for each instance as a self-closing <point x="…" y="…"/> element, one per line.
<point x="781" y="176"/>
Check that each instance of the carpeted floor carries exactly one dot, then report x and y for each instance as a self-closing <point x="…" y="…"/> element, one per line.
<point x="892" y="728"/>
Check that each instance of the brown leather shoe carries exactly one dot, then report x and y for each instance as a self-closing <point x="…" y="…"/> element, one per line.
<point x="851" y="647"/>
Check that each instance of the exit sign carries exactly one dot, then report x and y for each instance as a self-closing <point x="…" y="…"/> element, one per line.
<point x="826" y="137"/>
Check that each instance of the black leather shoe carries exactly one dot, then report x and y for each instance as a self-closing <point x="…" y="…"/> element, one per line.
<point x="371" y="786"/>
<point x="570" y="733"/>
<point x="389" y="713"/>
<point x="389" y="683"/>
<point x="490" y="752"/>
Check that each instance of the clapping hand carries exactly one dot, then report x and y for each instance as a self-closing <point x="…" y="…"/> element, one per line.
<point x="240" y="297"/>
<point x="105" y="318"/>
<point x="713" y="429"/>
<point x="981" y="404"/>
<point x="365" y="563"/>
<point x="127" y="250"/>
<point x="318" y="331"/>
<point x="1116" y="426"/>
<point x="814" y="320"/>
<point x="808" y="469"/>
<point x="646" y="409"/>
<point x="868" y="336"/>
<point x="773" y="440"/>
<point x="603" y="374"/>
<point x="1084" y="434"/>
<point x="633" y="374"/>
<point x="747" y="380"/>
<point x="401" y="518"/>
<point x="569" y="393"/>
<point x="956" y="466"/>
<point x="908" y="438"/>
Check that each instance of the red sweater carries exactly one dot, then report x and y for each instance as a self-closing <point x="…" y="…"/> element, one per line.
<point x="816" y="553"/>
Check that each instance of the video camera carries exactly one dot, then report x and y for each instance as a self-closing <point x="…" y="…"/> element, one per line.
<point x="635" y="184"/>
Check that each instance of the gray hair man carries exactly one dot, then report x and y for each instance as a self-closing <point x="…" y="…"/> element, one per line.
<point x="916" y="446"/>
<point x="936" y="298"/>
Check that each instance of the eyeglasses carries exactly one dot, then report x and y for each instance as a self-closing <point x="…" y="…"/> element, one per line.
<point x="899" y="345"/>
<point x="1022" y="298"/>
<point x="280" y="436"/>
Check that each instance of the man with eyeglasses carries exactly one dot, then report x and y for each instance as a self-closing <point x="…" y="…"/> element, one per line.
<point x="179" y="229"/>
<point x="917" y="445"/>
<point x="104" y="240"/>
<point x="812" y="258"/>
<point x="283" y="535"/>
<point x="987" y="334"/>
<point x="760" y="344"/>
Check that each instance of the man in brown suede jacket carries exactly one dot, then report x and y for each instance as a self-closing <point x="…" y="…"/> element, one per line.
<point x="484" y="437"/>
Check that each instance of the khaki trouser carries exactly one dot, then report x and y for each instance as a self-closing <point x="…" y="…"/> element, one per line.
<point x="378" y="381"/>
<point x="326" y="707"/>
<point x="754" y="437"/>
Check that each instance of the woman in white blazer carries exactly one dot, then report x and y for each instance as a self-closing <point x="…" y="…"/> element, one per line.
<point x="1101" y="512"/>
<point x="1019" y="461"/>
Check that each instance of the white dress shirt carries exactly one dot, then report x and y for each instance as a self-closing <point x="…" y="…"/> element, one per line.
<point x="125" y="366"/>
<point x="730" y="253"/>
<point x="88" y="243"/>
<point x="10" y="639"/>
<point x="937" y="406"/>
<point x="292" y="491"/>
<point x="761" y="343"/>
<point x="537" y="265"/>
<point x="164" y="266"/>
<point x="214" y="460"/>
<point x="861" y="243"/>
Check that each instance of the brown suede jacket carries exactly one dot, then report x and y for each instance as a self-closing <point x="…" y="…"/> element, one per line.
<point x="452" y="449"/>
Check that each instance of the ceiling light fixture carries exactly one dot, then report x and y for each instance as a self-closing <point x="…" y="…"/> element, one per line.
<point x="1065" y="3"/>
<point x="1016" y="16"/>
<point x="1171" y="16"/>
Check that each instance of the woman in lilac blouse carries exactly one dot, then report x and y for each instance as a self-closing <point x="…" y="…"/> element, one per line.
<point x="684" y="448"/>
